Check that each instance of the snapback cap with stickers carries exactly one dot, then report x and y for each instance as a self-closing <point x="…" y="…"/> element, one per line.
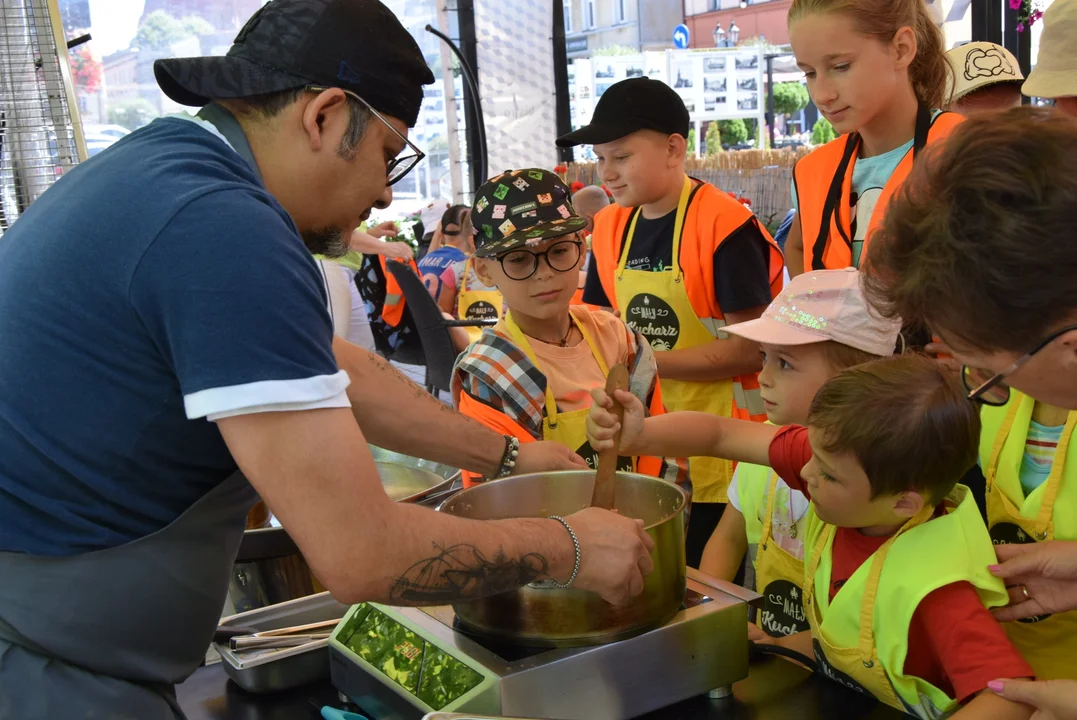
<point x="522" y="207"/>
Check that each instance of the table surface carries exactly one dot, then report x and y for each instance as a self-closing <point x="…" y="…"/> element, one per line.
<point x="774" y="690"/>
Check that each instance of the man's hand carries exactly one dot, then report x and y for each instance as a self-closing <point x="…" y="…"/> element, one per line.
<point x="1046" y="571"/>
<point x="398" y="250"/>
<point x="383" y="230"/>
<point x="615" y="554"/>
<point x="546" y="456"/>
<point x="1051" y="699"/>
<point x="602" y="424"/>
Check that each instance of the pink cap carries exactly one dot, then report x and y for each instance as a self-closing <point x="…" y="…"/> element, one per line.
<point x="818" y="306"/>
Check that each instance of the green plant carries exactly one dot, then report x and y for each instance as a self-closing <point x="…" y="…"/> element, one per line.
<point x="196" y="25"/>
<point x="822" y="132"/>
<point x="790" y="98"/>
<point x="733" y="132"/>
<point x="760" y="41"/>
<point x="132" y="114"/>
<point x="713" y="139"/>
<point x="692" y="142"/>
<point x="159" y="30"/>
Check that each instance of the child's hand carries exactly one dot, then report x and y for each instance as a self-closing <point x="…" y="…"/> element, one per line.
<point x="602" y="423"/>
<point x="757" y="634"/>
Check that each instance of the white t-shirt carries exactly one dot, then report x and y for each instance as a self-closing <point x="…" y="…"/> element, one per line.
<point x="790" y="507"/>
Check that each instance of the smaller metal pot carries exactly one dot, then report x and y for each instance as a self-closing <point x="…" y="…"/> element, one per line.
<point x="569" y="618"/>
<point x="270" y="569"/>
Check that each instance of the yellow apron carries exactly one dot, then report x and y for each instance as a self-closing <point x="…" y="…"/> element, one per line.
<point x="1047" y="642"/>
<point x="484" y="304"/>
<point x="863" y="632"/>
<point x="657" y="304"/>
<point x="779" y="578"/>
<point x="567" y="428"/>
<point x="856" y="667"/>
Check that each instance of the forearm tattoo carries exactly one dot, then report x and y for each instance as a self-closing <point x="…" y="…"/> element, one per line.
<point x="463" y="572"/>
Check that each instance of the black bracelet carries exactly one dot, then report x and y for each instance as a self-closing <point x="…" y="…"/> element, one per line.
<point x="508" y="459"/>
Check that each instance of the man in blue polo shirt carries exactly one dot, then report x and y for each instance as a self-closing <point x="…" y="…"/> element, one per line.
<point x="164" y="324"/>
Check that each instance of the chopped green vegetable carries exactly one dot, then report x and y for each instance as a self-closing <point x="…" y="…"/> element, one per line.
<point x="444" y="678"/>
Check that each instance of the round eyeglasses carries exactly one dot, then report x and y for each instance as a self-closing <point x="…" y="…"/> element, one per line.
<point x="522" y="264"/>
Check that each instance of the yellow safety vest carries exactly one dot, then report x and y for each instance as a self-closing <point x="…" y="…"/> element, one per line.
<point x="1047" y="642"/>
<point x="779" y="575"/>
<point x="861" y="638"/>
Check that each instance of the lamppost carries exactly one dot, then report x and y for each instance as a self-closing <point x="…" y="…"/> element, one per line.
<point x="721" y="39"/>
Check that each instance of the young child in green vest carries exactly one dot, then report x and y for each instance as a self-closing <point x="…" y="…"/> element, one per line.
<point x="1032" y="497"/>
<point x="818" y="326"/>
<point x="896" y="583"/>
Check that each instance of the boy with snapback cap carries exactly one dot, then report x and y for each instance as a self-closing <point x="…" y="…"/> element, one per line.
<point x="679" y="259"/>
<point x="531" y="375"/>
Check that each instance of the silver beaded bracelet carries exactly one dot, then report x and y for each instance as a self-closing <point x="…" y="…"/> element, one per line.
<point x="576" y="547"/>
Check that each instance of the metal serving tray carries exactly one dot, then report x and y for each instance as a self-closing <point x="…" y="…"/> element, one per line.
<point x="267" y="671"/>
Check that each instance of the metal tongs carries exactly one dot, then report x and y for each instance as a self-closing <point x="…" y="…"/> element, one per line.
<point x="282" y="637"/>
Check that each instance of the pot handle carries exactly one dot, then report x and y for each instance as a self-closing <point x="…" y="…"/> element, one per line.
<point x="752" y="598"/>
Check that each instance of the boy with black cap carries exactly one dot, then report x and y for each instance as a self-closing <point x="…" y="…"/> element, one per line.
<point x="532" y="374"/>
<point x="679" y="259"/>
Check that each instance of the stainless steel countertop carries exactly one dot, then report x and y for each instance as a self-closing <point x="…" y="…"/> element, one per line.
<point x="775" y="690"/>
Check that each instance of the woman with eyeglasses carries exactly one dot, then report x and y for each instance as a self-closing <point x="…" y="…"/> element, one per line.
<point x="532" y="374"/>
<point x="980" y="248"/>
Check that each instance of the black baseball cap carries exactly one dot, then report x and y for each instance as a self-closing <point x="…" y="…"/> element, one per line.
<point x="356" y="45"/>
<point x="628" y="106"/>
<point x="522" y="207"/>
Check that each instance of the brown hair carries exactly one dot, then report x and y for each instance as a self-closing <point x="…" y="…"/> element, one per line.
<point x="930" y="70"/>
<point x="906" y="419"/>
<point x="978" y="243"/>
<point x="842" y="357"/>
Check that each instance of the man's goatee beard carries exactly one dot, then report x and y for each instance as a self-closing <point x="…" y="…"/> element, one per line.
<point x="329" y="242"/>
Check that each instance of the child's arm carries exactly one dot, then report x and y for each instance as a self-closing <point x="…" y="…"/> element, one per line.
<point x="679" y="434"/>
<point x="725" y="550"/>
<point x="989" y="706"/>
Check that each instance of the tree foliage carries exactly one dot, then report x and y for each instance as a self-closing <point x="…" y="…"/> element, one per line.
<point x="822" y="132"/>
<point x="790" y="98"/>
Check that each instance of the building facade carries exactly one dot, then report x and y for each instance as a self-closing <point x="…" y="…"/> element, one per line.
<point x="754" y="19"/>
<point x="638" y="25"/>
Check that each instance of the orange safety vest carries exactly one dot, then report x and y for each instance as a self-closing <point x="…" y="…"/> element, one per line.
<point x="392" y="311"/>
<point x="502" y="423"/>
<point x="712" y="217"/>
<point x="823" y="182"/>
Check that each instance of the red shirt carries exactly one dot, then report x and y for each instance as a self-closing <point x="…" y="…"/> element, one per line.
<point x="954" y="642"/>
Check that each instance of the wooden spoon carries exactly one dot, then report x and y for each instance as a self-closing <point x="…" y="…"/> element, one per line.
<point x="607" y="459"/>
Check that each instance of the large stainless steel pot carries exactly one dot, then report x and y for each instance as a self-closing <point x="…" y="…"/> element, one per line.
<point x="569" y="618"/>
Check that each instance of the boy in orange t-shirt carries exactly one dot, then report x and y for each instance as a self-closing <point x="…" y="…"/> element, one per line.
<point x="531" y="375"/>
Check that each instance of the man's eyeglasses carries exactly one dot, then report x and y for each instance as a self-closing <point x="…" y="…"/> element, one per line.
<point x="522" y="264"/>
<point x="407" y="159"/>
<point x="989" y="388"/>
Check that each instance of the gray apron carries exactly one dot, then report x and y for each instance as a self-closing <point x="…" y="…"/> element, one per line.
<point x="106" y="634"/>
